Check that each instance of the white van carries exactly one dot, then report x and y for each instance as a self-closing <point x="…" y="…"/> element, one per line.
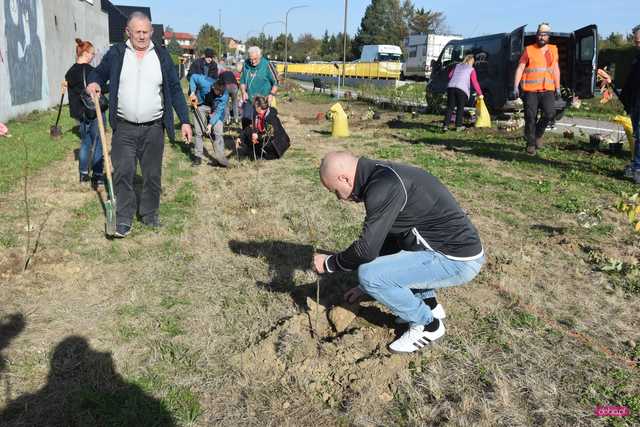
<point x="420" y="50"/>
<point x="380" y="53"/>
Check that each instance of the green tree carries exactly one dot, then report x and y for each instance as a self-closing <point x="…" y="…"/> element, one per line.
<point x="325" y="45"/>
<point x="615" y="41"/>
<point x="305" y="46"/>
<point x="337" y="42"/>
<point x="383" y="23"/>
<point x="208" y="36"/>
<point x="174" y="47"/>
<point x="427" y="21"/>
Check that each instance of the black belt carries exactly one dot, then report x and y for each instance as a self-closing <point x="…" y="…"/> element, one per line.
<point x="151" y="123"/>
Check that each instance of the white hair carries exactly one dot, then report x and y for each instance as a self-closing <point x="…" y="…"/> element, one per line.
<point x="138" y="15"/>
<point x="635" y="30"/>
<point x="254" y="49"/>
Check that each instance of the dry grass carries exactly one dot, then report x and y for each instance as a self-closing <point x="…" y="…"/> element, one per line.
<point x="211" y="320"/>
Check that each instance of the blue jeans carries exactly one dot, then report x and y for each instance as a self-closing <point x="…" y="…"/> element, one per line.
<point x="88" y="135"/>
<point x="635" y="122"/>
<point x="390" y="280"/>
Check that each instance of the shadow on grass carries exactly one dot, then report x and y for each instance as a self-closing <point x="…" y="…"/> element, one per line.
<point x="285" y="258"/>
<point x="83" y="388"/>
<point x="506" y="152"/>
<point x="10" y="327"/>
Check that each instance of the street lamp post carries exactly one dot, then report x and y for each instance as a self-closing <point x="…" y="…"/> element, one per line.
<point x="286" y="37"/>
<point x="344" y="46"/>
<point x="268" y="23"/>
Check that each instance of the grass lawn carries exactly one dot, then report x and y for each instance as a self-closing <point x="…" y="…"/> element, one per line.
<point x="213" y="319"/>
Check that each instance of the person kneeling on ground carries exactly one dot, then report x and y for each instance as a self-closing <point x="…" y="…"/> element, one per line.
<point x="415" y="239"/>
<point x="265" y="138"/>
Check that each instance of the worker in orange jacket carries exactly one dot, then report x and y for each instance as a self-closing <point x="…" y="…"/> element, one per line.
<point x="539" y="74"/>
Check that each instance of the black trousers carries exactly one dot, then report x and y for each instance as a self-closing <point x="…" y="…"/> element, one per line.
<point x="456" y="98"/>
<point x="132" y="144"/>
<point x="534" y="127"/>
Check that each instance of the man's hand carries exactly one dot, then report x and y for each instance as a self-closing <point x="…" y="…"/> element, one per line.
<point x="353" y="295"/>
<point x="558" y="93"/>
<point x="516" y="93"/>
<point x="238" y="142"/>
<point x="245" y="97"/>
<point x="254" y="138"/>
<point x="193" y="100"/>
<point x="93" y="89"/>
<point x="186" y="132"/>
<point x="318" y="263"/>
<point x="209" y="127"/>
<point x="270" y="99"/>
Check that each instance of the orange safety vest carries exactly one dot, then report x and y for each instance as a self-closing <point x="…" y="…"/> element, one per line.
<point x="538" y="75"/>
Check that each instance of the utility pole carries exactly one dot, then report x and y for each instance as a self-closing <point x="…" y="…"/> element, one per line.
<point x="286" y="37"/>
<point x="220" y="33"/>
<point x="344" y="44"/>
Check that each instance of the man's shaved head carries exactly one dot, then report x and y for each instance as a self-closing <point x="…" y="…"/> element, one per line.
<point x="337" y="173"/>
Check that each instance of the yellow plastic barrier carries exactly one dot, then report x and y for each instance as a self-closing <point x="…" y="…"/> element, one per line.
<point x="365" y="70"/>
<point x="628" y="130"/>
<point x="483" y="119"/>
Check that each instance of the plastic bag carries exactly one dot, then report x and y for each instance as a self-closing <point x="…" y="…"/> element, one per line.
<point x="628" y="130"/>
<point x="483" y="119"/>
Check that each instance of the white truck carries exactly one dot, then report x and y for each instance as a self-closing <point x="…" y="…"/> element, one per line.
<point x="380" y="53"/>
<point x="420" y="50"/>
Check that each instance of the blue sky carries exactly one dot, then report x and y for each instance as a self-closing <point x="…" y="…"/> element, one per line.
<point x="469" y="18"/>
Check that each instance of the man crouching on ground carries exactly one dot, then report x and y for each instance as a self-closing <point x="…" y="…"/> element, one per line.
<point x="415" y="239"/>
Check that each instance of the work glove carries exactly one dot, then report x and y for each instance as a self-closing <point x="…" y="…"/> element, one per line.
<point x="515" y="94"/>
<point x="558" y="93"/>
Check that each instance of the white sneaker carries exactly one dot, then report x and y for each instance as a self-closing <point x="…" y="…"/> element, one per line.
<point x="415" y="339"/>
<point x="438" y="313"/>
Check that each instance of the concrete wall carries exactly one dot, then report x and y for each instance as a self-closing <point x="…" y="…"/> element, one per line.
<point x="39" y="48"/>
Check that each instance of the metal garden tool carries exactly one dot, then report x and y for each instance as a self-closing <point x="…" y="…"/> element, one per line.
<point x="110" y="203"/>
<point x="54" y="131"/>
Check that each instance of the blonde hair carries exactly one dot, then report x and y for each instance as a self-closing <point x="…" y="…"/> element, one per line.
<point x="469" y="59"/>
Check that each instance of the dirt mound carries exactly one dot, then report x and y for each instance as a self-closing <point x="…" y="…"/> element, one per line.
<point x="348" y="366"/>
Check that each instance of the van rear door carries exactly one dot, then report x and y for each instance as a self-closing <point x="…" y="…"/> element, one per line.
<point x="585" y="61"/>
<point x="516" y="47"/>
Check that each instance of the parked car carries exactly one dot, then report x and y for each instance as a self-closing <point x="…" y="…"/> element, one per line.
<point x="497" y="57"/>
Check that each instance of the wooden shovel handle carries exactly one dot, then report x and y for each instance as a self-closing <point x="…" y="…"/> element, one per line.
<point x="103" y="137"/>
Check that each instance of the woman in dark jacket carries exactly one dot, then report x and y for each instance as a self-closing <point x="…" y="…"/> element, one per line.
<point x="76" y="79"/>
<point x="265" y="138"/>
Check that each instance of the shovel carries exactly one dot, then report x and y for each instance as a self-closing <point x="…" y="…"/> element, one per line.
<point x="110" y="203"/>
<point x="221" y="161"/>
<point x="54" y="131"/>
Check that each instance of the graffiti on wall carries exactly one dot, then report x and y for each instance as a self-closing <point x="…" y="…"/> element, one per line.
<point x="24" y="50"/>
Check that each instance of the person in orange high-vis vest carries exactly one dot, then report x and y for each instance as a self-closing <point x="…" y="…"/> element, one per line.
<point x="539" y="74"/>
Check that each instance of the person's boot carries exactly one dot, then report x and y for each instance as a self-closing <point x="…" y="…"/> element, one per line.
<point x="197" y="161"/>
<point x="531" y="150"/>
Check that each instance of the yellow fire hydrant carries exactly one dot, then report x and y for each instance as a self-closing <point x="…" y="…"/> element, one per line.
<point x="340" y="123"/>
